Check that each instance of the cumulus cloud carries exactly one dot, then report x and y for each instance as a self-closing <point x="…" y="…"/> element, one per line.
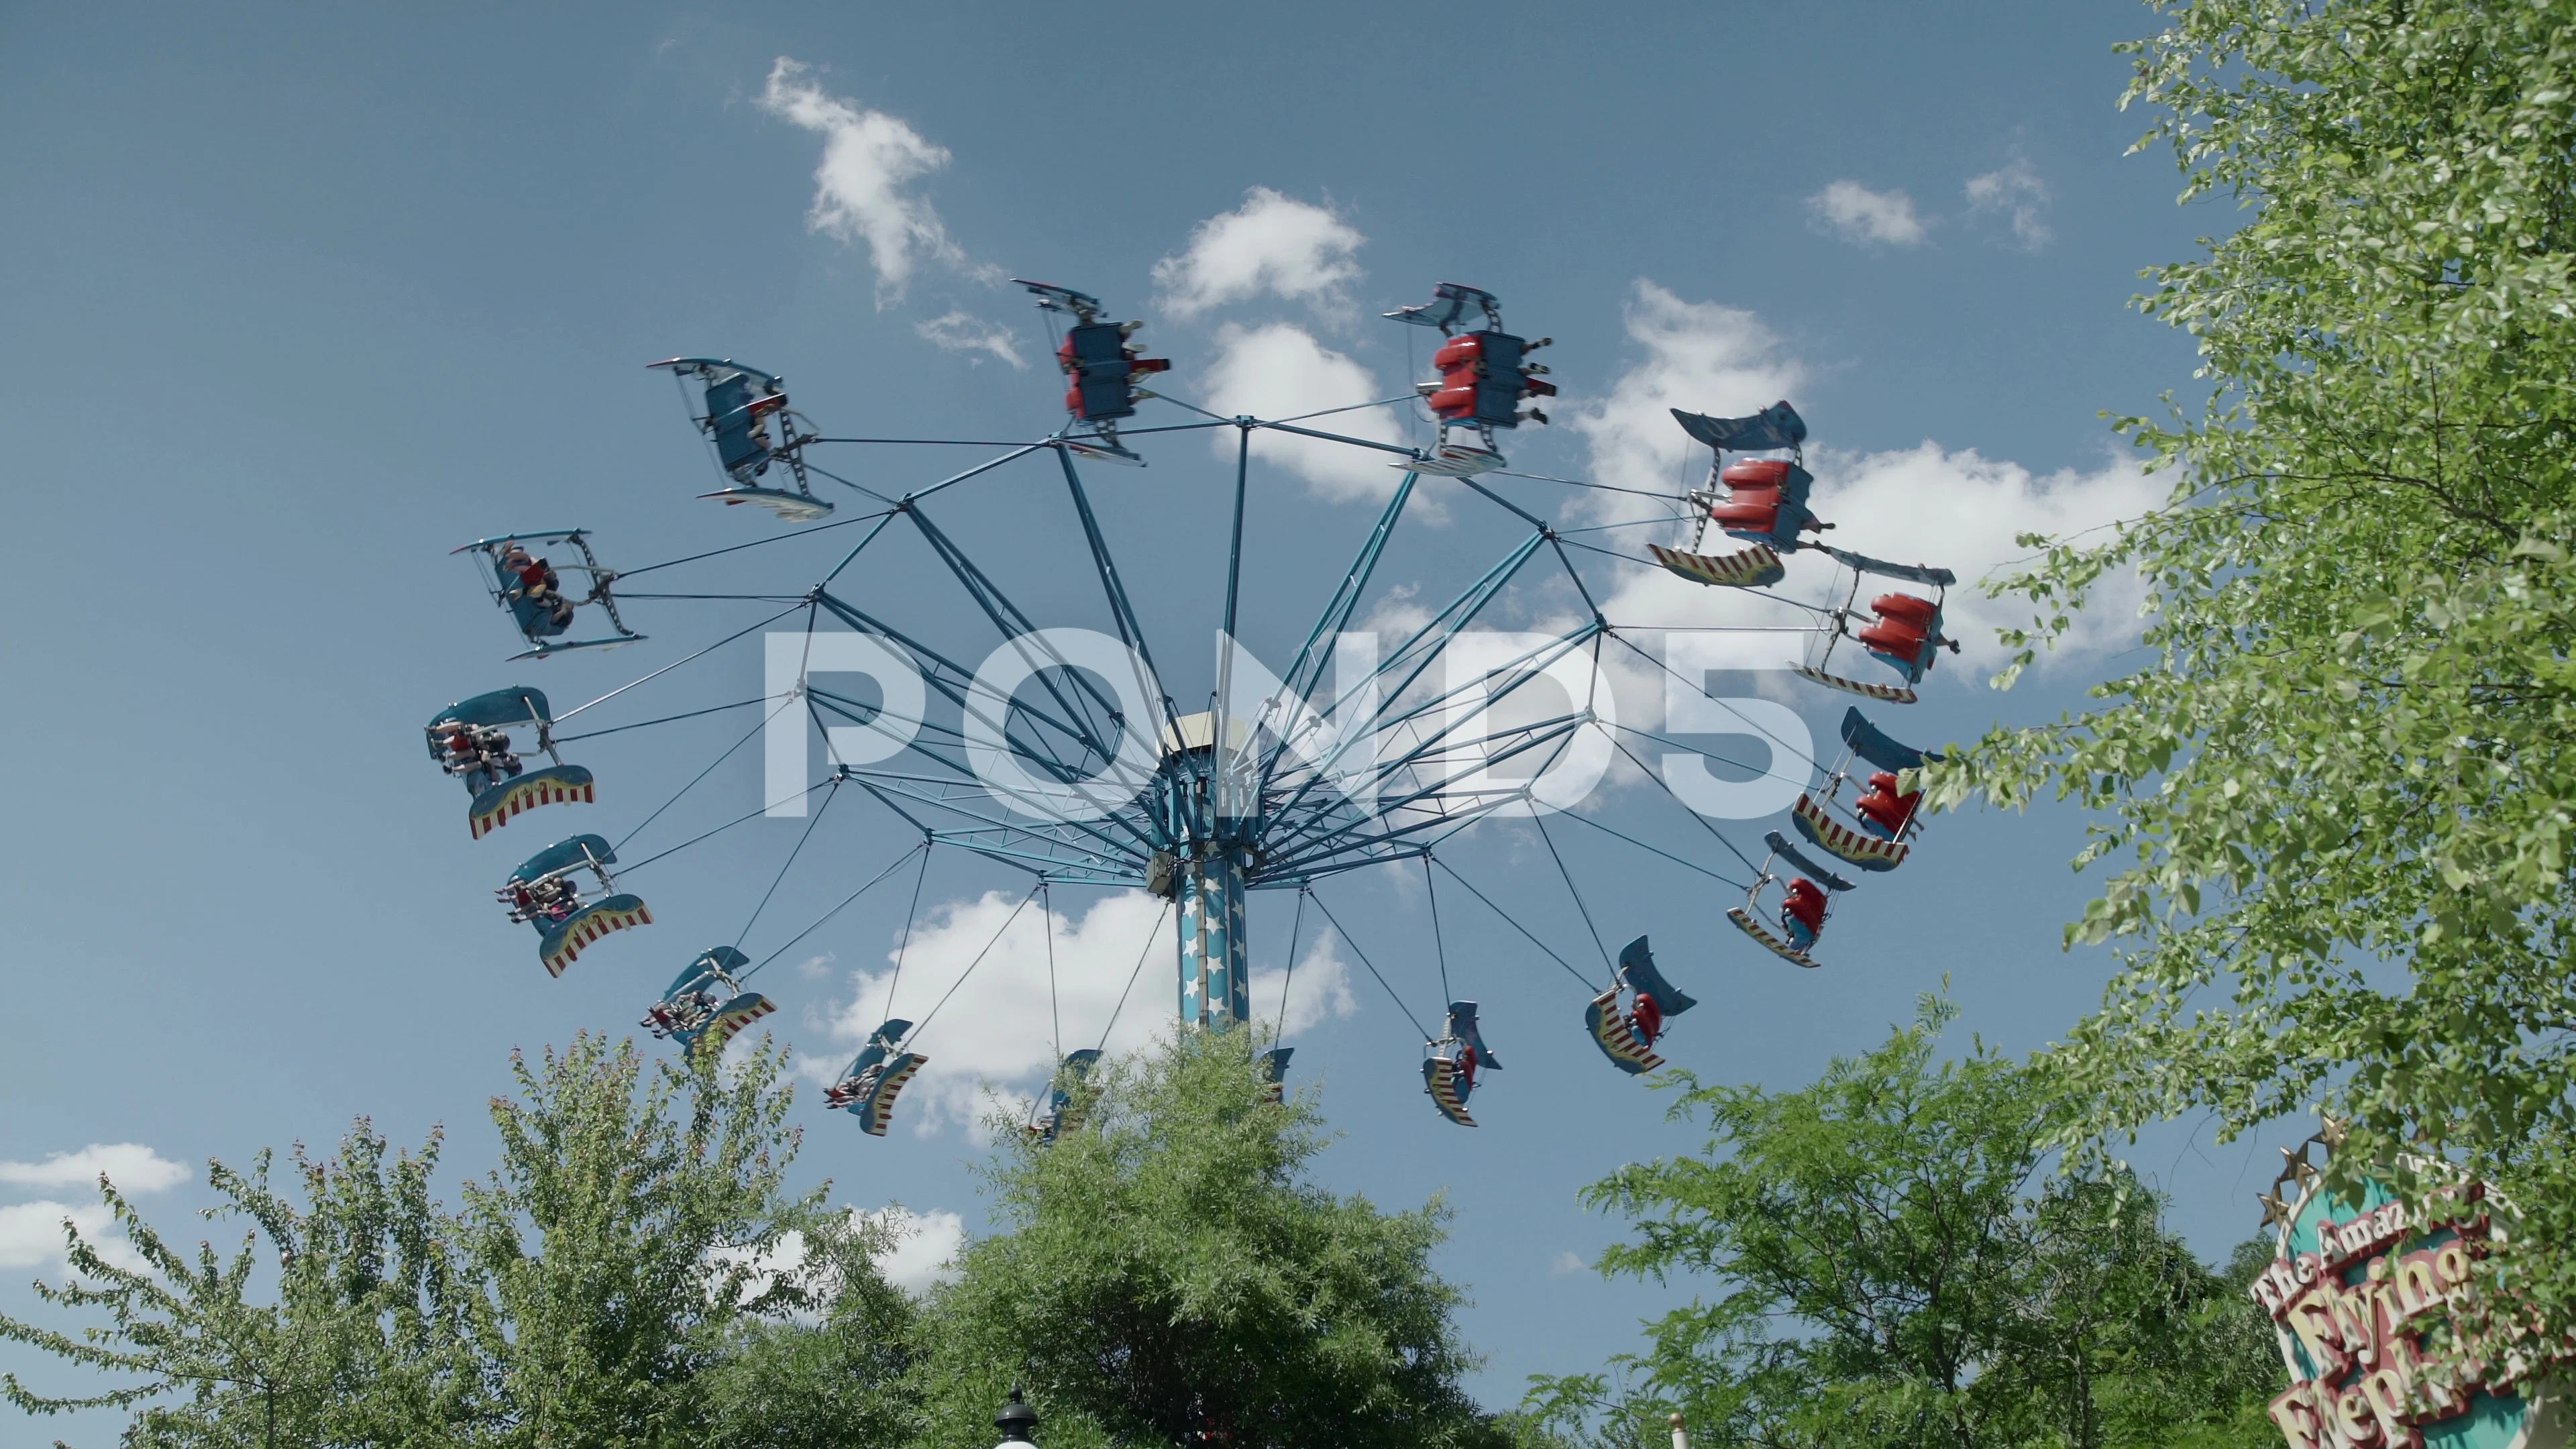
<point x="1282" y="371"/>
<point x="963" y="331"/>
<point x="1857" y="214"/>
<point x="31" y="1233"/>
<point x="997" y="1032"/>
<point x="1272" y="243"/>
<point x="133" y="1167"/>
<point x="917" y="1258"/>
<point x="1953" y="507"/>
<point x="1697" y="356"/>
<point x="1565" y="1263"/>
<point x="862" y="187"/>
<point x="1319" y="989"/>
<point x="2015" y="193"/>
<point x="925" y="1245"/>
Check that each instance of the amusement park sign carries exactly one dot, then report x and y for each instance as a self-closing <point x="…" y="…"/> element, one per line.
<point x="2352" y="1294"/>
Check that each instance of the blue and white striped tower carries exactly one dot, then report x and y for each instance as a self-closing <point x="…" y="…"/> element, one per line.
<point x="1215" y="966"/>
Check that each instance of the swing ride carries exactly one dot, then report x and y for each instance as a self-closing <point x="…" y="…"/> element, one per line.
<point x="1063" y="755"/>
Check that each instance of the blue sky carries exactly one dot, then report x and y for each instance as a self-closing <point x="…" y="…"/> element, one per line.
<point x="301" y="299"/>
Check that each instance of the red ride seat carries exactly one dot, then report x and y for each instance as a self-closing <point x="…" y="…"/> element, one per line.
<point x="1897" y="637"/>
<point x="1883" y="805"/>
<point x="1806" y="901"/>
<point x="1918" y="612"/>
<point x="1646" y="1019"/>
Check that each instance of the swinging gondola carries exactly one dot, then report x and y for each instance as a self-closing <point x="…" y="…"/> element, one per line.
<point x="1901" y="630"/>
<point x="541" y="893"/>
<point x="693" y="996"/>
<point x="1102" y="371"/>
<point x="529" y="588"/>
<point x="1873" y="832"/>
<point x="875" y="1077"/>
<point x="1060" y="1115"/>
<point x="744" y="413"/>
<point x="1450" y="1064"/>
<point x="1805" y="902"/>
<point x="1484" y="376"/>
<point x="467" y="741"/>
<point x="1627" y="1033"/>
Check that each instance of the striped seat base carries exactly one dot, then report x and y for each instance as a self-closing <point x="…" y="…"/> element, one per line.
<point x="1754" y="568"/>
<point x="1834" y="837"/>
<point x="876" y="1107"/>
<point x="1440" y="1079"/>
<point x="563" y="945"/>
<point x="560" y="785"/>
<point x="729" y="1021"/>
<point x="1617" y="1040"/>
<point x="1744" y="922"/>
<point x="1889" y="693"/>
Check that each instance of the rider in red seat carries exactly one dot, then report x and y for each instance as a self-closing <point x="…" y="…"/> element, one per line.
<point x="1802" y="912"/>
<point x="1646" y="1019"/>
<point x="1885" y="812"/>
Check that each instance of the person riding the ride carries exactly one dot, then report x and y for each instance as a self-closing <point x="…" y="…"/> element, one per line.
<point x="1646" y="1018"/>
<point x="1802" y="912"/>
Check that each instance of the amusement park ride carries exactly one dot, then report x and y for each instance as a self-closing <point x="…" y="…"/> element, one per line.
<point x="1056" y="776"/>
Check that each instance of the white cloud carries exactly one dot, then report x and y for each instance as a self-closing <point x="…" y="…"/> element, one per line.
<point x="1697" y="356"/>
<point x="925" y="1246"/>
<point x="1954" y="508"/>
<point x="997" y="1033"/>
<point x="1962" y="510"/>
<point x="1566" y="1263"/>
<point x="1857" y="214"/>
<point x="1320" y="988"/>
<point x="997" y="1030"/>
<point x="1281" y="371"/>
<point x="133" y="1167"/>
<point x="860" y="188"/>
<point x="963" y="331"/>
<point x="2019" y="195"/>
<point x="31" y="1233"/>
<point x="1272" y="243"/>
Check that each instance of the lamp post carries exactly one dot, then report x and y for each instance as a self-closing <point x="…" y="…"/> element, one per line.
<point x="1016" y="1421"/>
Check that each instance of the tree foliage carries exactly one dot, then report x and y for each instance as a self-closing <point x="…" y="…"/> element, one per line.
<point x="584" y="1294"/>
<point x="1887" y="1273"/>
<point x="2335" y="806"/>
<point x="1168" y="1272"/>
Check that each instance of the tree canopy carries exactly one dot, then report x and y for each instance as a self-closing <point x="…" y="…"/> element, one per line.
<point x="2334" y="806"/>
<point x="1169" y="1272"/>
<point x="1891" y="1265"/>
<point x="627" y="1245"/>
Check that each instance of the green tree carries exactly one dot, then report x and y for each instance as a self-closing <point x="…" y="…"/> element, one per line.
<point x="363" y="1335"/>
<point x="2339" y="793"/>
<point x="841" y="1381"/>
<point x="631" y="1227"/>
<point x="1168" y="1271"/>
<point x="1895" y="1267"/>
<point x="609" y="1284"/>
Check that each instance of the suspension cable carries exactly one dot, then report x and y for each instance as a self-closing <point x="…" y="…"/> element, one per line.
<point x="1372" y="968"/>
<point x="1296" y="929"/>
<point x="1438" y="943"/>
<point x="895" y="865"/>
<point x="1055" y="1006"/>
<point x="1548" y="950"/>
<point x="1580" y="908"/>
<point x="919" y="1026"/>
<point x="709" y="770"/>
<point x="1150" y="937"/>
<point x="910" y="914"/>
<point x="811" y="822"/>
